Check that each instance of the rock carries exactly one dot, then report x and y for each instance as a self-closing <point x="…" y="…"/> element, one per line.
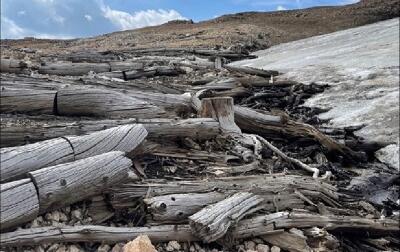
<point x="63" y="217"/>
<point x="104" y="248"/>
<point x="53" y="247"/>
<point x="173" y="246"/>
<point x="74" y="248"/>
<point x="53" y="216"/>
<point x="118" y="247"/>
<point x="39" y="249"/>
<point x="250" y="245"/>
<point x="262" y="248"/>
<point x="61" y="249"/>
<point x="389" y="155"/>
<point x="192" y="248"/>
<point x="76" y="215"/>
<point x="141" y="244"/>
<point x="275" y="249"/>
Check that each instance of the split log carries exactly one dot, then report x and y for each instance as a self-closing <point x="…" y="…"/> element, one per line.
<point x="12" y="66"/>
<point x="73" y="69"/>
<point x="151" y="71"/>
<point x="16" y="162"/>
<point x="253" y="227"/>
<point x="27" y="101"/>
<point x="252" y="71"/>
<point x="212" y="222"/>
<point x="19" y="203"/>
<point x="125" y="65"/>
<point x="97" y="102"/>
<point x="220" y="109"/>
<point x="68" y="183"/>
<point x="89" y="56"/>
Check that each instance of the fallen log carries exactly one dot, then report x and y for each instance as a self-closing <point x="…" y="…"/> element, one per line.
<point x="19" y="131"/>
<point x="19" y="203"/>
<point x="16" y="162"/>
<point x="212" y="222"/>
<point x="151" y="71"/>
<point x="68" y="183"/>
<point x="27" y="101"/>
<point x="73" y="69"/>
<point x="97" y="102"/>
<point x="291" y="242"/>
<point x="257" y="226"/>
<point x="13" y="66"/>
<point x="252" y="71"/>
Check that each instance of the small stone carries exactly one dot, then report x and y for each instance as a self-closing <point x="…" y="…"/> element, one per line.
<point x="141" y="244"/>
<point x="74" y="248"/>
<point x="39" y="249"/>
<point x="262" y="248"/>
<point x="250" y="245"/>
<point x="173" y="246"/>
<point x="35" y="223"/>
<point x="118" y="247"/>
<point x="275" y="249"/>
<point x="63" y="217"/>
<point x="53" y="247"/>
<point x="104" y="248"/>
<point x="192" y="248"/>
<point x="61" y="249"/>
<point x="76" y="215"/>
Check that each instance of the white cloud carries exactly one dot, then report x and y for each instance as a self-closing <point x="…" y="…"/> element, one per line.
<point x="280" y="8"/>
<point x="88" y="17"/>
<point x="9" y="29"/>
<point x="125" y="20"/>
<point x="21" y="13"/>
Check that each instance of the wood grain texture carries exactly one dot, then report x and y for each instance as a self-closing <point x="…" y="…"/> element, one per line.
<point x="68" y="183"/>
<point x="12" y="66"/>
<point x="73" y="69"/>
<point x="16" y="162"/>
<point x="27" y="101"/>
<point x="19" y="203"/>
<point x="102" y="103"/>
<point x="252" y="71"/>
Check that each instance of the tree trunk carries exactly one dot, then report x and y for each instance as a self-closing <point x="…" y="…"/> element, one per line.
<point x="27" y="101"/>
<point x="19" y="131"/>
<point x="19" y="203"/>
<point x="16" y="162"/>
<point x="221" y="109"/>
<point x="252" y="71"/>
<point x="73" y="69"/>
<point x="97" y="102"/>
<point x="12" y="66"/>
<point x="68" y="183"/>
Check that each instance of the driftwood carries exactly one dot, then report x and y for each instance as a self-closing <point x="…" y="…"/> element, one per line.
<point x="252" y="71"/>
<point x="68" y="183"/>
<point x="19" y="131"/>
<point x="16" y="162"/>
<point x="19" y="203"/>
<point x="290" y="241"/>
<point x="27" y="101"/>
<point x="152" y="71"/>
<point x="12" y="66"/>
<point x="97" y="102"/>
<point x="221" y="109"/>
<point x="256" y="226"/>
<point x="73" y="69"/>
<point x="212" y="222"/>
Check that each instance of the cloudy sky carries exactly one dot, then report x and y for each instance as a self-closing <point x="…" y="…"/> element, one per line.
<point x="85" y="18"/>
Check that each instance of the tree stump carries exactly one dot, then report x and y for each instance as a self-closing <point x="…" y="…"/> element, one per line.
<point x="221" y="109"/>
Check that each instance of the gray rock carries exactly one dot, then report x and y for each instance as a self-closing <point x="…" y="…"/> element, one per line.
<point x="262" y="248"/>
<point x="275" y="249"/>
<point x="250" y="245"/>
<point x="173" y="246"/>
<point x="104" y="248"/>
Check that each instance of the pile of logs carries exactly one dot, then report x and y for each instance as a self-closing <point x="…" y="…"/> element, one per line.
<point x="201" y="151"/>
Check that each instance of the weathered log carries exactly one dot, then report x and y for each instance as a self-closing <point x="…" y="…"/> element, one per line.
<point x="16" y="162"/>
<point x="19" y="131"/>
<point x="220" y="109"/>
<point x="12" y="66"/>
<point x="97" y="102"/>
<point x="73" y="69"/>
<point x="212" y="222"/>
<point x="88" y="56"/>
<point x="257" y="226"/>
<point x="151" y="71"/>
<point x="68" y="183"/>
<point x="175" y="208"/>
<point x="277" y="187"/>
<point x="290" y="241"/>
<point x="125" y="65"/>
<point x="252" y="71"/>
<point x="19" y="203"/>
<point x="27" y="101"/>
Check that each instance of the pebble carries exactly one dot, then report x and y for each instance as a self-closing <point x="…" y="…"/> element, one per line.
<point x="61" y="249"/>
<point x="74" y="248"/>
<point x="104" y="248"/>
<point x="39" y="249"/>
<point x="76" y="214"/>
<point x="117" y="247"/>
<point x="250" y="245"/>
<point x="53" y="247"/>
<point x="262" y="248"/>
<point x="173" y="246"/>
<point x="275" y="249"/>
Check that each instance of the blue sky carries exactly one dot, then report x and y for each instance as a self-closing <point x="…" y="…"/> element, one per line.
<point x="85" y="18"/>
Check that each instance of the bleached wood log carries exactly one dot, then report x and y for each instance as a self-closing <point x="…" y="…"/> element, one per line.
<point x="220" y="109"/>
<point x="19" y="203"/>
<point x="68" y="183"/>
<point x="98" y="102"/>
<point x="73" y="69"/>
<point x="212" y="222"/>
<point x="151" y="71"/>
<point x="12" y="66"/>
<point x="16" y="162"/>
<point x="27" y="101"/>
<point x="253" y="227"/>
<point x="125" y="65"/>
<point x="19" y="131"/>
<point x="291" y="242"/>
<point x="251" y="70"/>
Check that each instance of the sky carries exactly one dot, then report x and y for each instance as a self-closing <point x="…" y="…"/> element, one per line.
<point x="66" y="19"/>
